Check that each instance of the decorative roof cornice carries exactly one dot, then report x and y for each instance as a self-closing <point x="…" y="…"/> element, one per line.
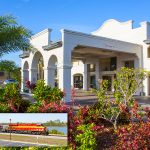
<point x="129" y="22"/>
<point x="95" y="36"/>
<point x="24" y="55"/>
<point x="147" y="41"/>
<point x="52" y="45"/>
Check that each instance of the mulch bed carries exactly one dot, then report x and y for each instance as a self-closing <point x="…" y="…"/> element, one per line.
<point x="106" y="140"/>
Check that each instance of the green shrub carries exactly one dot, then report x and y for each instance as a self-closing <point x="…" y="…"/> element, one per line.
<point x="2" y="95"/>
<point x="54" y="131"/>
<point x="33" y="108"/>
<point x="47" y="93"/>
<point x="12" y="96"/>
<point x="4" y="108"/>
<point x="86" y="139"/>
<point x="14" y="99"/>
<point x="11" y="91"/>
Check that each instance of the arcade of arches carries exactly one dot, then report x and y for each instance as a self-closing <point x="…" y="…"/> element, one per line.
<point x="36" y="71"/>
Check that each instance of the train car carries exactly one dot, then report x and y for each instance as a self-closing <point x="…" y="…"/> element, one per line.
<point x="29" y="128"/>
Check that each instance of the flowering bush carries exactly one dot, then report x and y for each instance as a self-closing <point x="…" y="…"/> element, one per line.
<point x="93" y="127"/>
<point x="147" y="110"/>
<point x="51" y="107"/>
<point x="47" y="93"/>
<point x="135" y="136"/>
<point x="11" y="100"/>
<point x="2" y="90"/>
<point x="84" y="116"/>
<point x="101" y="133"/>
<point x="12" y="97"/>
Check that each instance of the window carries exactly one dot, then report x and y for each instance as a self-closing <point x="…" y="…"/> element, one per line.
<point x="148" y="52"/>
<point x="91" y="67"/>
<point x="129" y="64"/>
<point x="108" y="64"/>
<point x="113" y="63"/>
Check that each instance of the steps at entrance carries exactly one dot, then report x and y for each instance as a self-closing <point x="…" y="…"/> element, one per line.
<point x="82" y="93"/>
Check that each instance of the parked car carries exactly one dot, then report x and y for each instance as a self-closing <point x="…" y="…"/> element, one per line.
<point x="9" y="81"/>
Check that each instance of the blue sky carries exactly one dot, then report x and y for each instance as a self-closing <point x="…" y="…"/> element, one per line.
<point x="79" y="15"/>
<point x="32" y="117"/>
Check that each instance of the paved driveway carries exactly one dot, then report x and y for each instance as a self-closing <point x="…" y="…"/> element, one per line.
<point x="90" y="100"/>
<point x="144" y="101"/>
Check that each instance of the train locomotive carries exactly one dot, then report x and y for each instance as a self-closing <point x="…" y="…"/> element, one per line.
<point x="25" y="128"/>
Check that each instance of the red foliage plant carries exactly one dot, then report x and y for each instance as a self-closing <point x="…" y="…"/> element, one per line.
<point x="135" y="136"/>
<point x="81" y="118"/>
<point x="30" y="85"/>
<point x="57" y="107"/>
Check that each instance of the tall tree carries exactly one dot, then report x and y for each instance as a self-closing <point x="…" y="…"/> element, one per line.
<point x="13" y="37"/>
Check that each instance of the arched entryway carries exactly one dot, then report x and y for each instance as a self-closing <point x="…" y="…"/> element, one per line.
<point x="37" y="67"/>
<point x="78" y="81"/>
<point x="53" y="71"/>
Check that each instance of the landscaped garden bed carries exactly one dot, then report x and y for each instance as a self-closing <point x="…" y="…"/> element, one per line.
<point x="109" y="124"/>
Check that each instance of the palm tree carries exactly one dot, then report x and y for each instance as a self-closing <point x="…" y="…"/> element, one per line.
<point x="13" y="37"/>
<point x="8" y="66"/>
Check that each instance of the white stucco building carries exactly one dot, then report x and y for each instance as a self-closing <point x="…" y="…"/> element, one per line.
<point x="79" y="60"/>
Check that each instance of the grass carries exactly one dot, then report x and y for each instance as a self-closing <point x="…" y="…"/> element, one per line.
<point x="24" y="138"/>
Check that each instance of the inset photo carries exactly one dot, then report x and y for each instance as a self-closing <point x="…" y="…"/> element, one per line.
<point x="33" y="129"/>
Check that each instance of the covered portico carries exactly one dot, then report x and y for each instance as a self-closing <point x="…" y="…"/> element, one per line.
<point x="93" y="51"/>
<point x="58" y="59"/>
<point x="100" y="64"/>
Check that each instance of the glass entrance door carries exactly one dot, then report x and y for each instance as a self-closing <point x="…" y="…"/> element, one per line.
<point x="78" y="81"/>
<point x="92" y="81"/>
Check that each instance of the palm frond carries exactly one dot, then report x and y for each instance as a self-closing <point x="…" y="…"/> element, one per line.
<point x="12" y="36"/>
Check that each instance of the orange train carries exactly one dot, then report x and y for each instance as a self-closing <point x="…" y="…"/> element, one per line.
<point x="29" y="128"/>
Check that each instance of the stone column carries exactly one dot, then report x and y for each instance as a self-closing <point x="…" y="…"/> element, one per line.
<point x="22" y="81"/>
<point x="65" y="81"/>
<point x="65" y="63"/>
<point x="25" y="77"/>
<point x="85" y="78"/>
